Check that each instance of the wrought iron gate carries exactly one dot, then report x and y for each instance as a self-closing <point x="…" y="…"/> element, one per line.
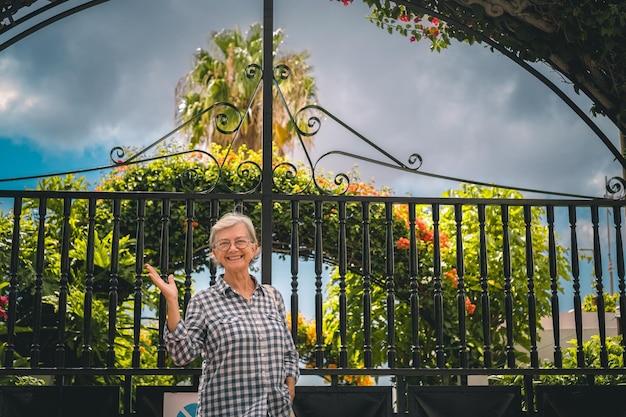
<point x="429" y="360"/>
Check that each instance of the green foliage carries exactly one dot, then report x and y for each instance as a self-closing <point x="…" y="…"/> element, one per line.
<point x="591" y="354"/>
<point x="455" y="307"/>
<point x="461" y="292"/>
<point x="222" y="75"/>
<point x="590" y="302"/>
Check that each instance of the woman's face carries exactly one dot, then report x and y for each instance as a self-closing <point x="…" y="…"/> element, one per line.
<point x="233" y="248"/>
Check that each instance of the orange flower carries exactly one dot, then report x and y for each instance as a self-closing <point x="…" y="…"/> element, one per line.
<point x="469" y="306"/>
<point x="194" y="224"/>
<point x="452" y="276"/>
<point x="403" y="243"/>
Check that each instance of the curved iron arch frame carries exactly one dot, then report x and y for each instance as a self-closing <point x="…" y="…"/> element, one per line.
<point x="10" y="8"/>
<point x="6" y="12"/>
<point x="543" y="79"/>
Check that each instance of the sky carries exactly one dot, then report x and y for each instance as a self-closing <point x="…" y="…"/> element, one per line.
<point x="106" y="76"/>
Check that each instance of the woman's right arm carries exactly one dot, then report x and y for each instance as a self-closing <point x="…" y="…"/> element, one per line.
<point x="170" y="293"/>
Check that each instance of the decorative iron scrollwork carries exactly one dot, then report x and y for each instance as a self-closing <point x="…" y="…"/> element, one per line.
<point x="616" y="187"/>
<point x="342" y="181"/>
<point x="249" y="173"/>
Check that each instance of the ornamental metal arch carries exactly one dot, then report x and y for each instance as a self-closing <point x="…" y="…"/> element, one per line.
<point x="20" y="18"/>
<point x="25" y="17"/>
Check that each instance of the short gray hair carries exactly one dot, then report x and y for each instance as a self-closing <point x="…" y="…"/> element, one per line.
<point x="229" y="220"/>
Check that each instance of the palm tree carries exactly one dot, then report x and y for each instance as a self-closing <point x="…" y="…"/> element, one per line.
<point x="219" y="75"/>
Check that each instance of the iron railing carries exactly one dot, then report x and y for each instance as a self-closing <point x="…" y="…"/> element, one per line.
<point x="426" y="290"/>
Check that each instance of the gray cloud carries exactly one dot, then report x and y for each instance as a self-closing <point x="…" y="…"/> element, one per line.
<point x="106" y="77"/>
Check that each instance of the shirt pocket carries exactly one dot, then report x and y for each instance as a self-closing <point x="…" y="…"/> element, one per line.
<point x="232" y="329"/>
<point x="275" y="326"/>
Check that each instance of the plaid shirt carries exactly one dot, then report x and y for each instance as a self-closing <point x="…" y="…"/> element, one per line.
<point x="246" y="347"/>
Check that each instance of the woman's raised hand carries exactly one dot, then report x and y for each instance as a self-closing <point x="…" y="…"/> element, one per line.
<point x="168" y="289"/>
<point x="170" y="293"/>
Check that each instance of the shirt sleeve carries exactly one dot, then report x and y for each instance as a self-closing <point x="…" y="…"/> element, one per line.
<point x="291" y="353"/>
<point x="185" y="343"/>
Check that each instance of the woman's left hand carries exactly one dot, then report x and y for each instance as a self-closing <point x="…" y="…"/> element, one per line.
<point x="291" y="384"/>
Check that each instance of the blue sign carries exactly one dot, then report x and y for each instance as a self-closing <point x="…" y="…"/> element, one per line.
<point x="188" y="411"/>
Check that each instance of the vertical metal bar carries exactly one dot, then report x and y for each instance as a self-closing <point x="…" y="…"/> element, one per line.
<point x="619" y="250"/>
<point x="438" y="295"/>
<point x="164" y="264"/>
<point x="113" y="282"/>
<point x="578" y="315"/>
<point x="484" y="288"/>
<point x="13" y="285"/>
<point x="389" y="284"/>
<point x="65" y="272"/>
<point x="414" y="297"/>
<point x="461" y="296"/>
<point x="367" y="285"/>
<point x="319" y="264"/>
<point x="554" y="287"/>
<point x="139" y="268"/>
<point x="530" y="296"/>
<point x="508" y="296"/>
<point x="89" y="267"/>
<point x="343" y="307"/>
<point x="529" y="395"/>
<point x="267" y="180"/>
<point x="39" y="268"/>
<point x="128" y="394"/>
<point x="597" y="266"/>
<point x="212" y="220"/>
<point x="188" y="251"/>
<point x="608" y="251"/>
<point x="295" y="257"/>
<point x="401" y="395"/>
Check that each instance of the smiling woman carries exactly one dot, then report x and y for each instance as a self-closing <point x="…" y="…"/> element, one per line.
<point x="238" y="326"/>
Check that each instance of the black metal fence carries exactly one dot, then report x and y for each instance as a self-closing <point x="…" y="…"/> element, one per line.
<point x="425" y="295"/>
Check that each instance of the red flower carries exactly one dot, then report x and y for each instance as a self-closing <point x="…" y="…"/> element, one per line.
<point x="435" y="21"/>
<point x="4" y="302"/>
<point x="412" y="39"/>
<point x="469" y="306"/>
<point x="194" y="224"/>
<point x="403" y="243"/>
<point x="404" y="18"/>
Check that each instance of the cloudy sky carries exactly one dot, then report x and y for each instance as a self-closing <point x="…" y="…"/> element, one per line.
<point x="106" y="76"/>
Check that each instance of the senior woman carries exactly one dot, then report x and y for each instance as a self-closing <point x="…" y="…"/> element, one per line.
<point x="250" y="363"/>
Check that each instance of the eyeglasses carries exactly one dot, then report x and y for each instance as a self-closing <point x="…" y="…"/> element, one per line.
<point x="224" y="245"/>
